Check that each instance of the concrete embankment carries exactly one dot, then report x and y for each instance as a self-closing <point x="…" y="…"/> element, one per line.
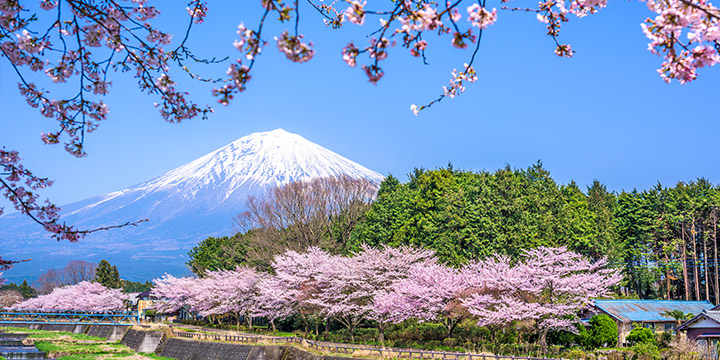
<point x="143" y="341"/>
<point x="182" y="349"/>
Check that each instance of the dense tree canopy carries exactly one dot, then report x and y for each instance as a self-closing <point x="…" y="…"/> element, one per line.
<point x="218" y="253"/>
<point x="465" y="215"/>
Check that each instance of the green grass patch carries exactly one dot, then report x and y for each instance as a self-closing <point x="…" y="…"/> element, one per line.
<point x="62" y="348"/>
<point x="50" y="335"/>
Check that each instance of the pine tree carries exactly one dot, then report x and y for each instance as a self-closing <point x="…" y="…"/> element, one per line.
<point x="27" y="291"/>
<point x="107" y="275"/>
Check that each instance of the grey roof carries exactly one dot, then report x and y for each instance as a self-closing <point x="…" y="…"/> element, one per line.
<point x="713" y="315"/>
<point x="649" y="310"/>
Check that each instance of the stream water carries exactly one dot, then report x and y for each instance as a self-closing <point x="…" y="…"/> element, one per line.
<point x="11" y="347"/>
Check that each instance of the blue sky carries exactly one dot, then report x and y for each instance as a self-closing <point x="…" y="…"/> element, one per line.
<point x="604" y="114"/>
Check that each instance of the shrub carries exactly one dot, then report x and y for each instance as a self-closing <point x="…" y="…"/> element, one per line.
<point x="603" y="331"/>
<point x="575" y="354"/>
<point x="641" y="335"/>
<point x="663" y="339"/>
<point x="645" y="351"/>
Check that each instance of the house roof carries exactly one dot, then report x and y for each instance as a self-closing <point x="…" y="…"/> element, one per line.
<point x="705" y="314"/>
<point x="649" y="310"/>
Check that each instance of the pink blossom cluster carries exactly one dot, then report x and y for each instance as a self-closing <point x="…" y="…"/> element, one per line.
<point x="686" y="34"/>
<point x="84" y="296"/>
<point x="19" y="185"/>
<point x="457" y="82"/>
<point x="293" y="47"/>
<point x="549" y="286"/>
<point x="480" y="17"/>
<point x="356" y="13"/>
<point x="239" y="292"/>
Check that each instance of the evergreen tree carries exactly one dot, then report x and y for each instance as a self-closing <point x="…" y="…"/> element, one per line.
<point x="107" y="275"/>
<point x="27" y="291"/>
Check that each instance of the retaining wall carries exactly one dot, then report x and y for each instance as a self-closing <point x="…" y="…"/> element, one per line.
<point x="199" y="350"/>
<point x="181" y="349"/>
<point x="142" y="341"/>
<point x="110" y="332"/>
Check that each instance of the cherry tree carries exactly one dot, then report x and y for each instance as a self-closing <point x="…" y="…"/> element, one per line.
<point x="351" y="283"/>
<point x="227" y="292"/>
<point x="303" y="277"/>
<point x="274" y="300"/>
<point x="549" y="286"/>
<point x="430" y="292"/>
<point x="173" y="293"/>
<point x="84" y="296"/>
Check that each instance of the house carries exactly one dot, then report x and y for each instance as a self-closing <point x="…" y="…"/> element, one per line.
<point x="144" y="301"/>
<point x="704" y="328"/>
<point x="646" y="313"/>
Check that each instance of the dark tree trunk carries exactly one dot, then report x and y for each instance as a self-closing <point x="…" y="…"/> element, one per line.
<point x="705" y="268"/>
<point x="683" y="253"/>
<point x="715" y="258"/>
<point x="543" y="340"/>
<point x="695" y="262"/>
<point x="667" y="277"/>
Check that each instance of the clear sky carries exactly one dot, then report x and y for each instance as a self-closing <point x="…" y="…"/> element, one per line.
<point x="604" y="114"/>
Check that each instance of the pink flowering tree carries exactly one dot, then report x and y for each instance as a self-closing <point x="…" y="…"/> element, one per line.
<point x="223" y="292"/>
<point x="430" y="292"/>
<point x="351" y="283"/>
<point x="84" y="296"/>
<point x="303" y="276"/>
<point x="274" y="300"/>
<point x="174" y="293"/>
<point x="549" y="286"/>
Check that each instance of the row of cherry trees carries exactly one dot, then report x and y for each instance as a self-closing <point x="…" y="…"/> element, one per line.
<point x="547" y="286"/>
<point x="84" y="296"/>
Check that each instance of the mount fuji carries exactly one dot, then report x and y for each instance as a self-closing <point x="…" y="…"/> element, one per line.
<point x="184" y="206"/>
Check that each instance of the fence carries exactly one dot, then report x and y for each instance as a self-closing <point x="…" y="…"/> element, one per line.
<point x="349" y="349"/>
<point x="68" y="317"/>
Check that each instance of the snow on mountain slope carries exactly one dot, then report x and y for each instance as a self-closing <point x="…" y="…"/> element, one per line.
<point x="183" y="206"/>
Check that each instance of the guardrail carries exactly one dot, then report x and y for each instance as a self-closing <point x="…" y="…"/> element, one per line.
<point x="349" y="349"/>
<point x="68" y="317"/>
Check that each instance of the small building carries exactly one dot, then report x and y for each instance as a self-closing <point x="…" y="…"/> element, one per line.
<point x="646" y="313"/>
<point x="704" y="328"/>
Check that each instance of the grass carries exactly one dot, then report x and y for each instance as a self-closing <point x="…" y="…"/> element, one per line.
<point x="55" y="348"/>
<point x="50" y="335"/>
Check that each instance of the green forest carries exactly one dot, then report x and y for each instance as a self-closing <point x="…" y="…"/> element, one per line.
<point x="664" y="238"/>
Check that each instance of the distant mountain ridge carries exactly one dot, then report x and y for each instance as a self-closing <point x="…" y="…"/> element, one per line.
<point x="184" y="205"/>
